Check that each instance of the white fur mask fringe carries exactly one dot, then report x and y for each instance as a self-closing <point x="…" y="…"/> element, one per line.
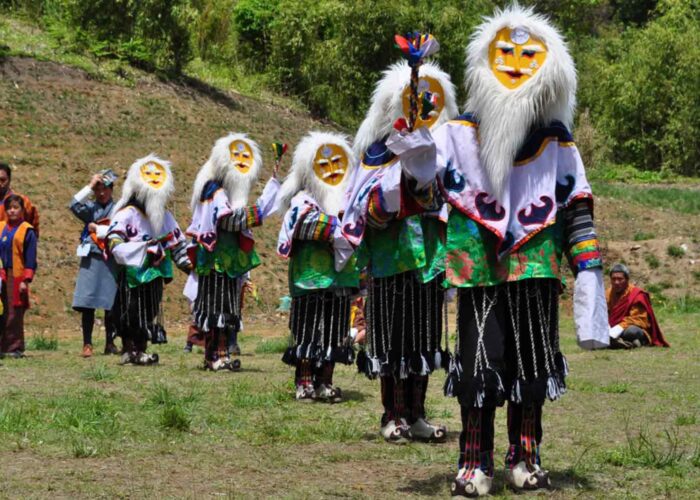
<point x="507" y="116"/>
<point x="387" y="107"/>
<point x="303" y="178"/>
<point x="219" y="167"/>
<point x="155" y="201"/>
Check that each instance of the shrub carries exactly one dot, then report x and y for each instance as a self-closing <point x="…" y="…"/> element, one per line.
<point x="675" y="251"/>
<point x="40" y="343"/>
<point x="652" y="260"/>
<point x="642" y="94"/>
<point x="641" y="236"/>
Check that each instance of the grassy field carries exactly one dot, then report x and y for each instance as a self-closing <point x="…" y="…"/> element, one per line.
<point x="629" y="427"/>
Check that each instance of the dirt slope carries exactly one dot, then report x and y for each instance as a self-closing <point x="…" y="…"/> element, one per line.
<point x="57" y="126"/>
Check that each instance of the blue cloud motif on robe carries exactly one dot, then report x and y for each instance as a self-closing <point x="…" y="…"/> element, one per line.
<point x="538" y="213"/>
<point x="563" y="191"/>
<point x="285" y="248"/>
<point x="454" y="181"/>
<point x="207" y="239"/>
<point x="293" y="218"/>
<point x="356" y="229"/>
<point x="490" y="211"/>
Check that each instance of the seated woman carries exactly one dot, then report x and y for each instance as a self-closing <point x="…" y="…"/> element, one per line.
<point x="630" y="315"/>
<point x="18" y="242"/>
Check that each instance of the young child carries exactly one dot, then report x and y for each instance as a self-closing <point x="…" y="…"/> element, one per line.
<point x="18" y="244"/>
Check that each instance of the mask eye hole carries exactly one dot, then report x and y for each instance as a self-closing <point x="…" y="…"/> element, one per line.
<point x="506" y="50"/>
<point x="528" y="53"/>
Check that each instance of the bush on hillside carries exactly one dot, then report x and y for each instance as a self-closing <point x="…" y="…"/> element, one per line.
<point x="643" y="91"/>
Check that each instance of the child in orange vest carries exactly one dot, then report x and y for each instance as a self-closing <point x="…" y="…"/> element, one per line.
<point x="18" y="243"/>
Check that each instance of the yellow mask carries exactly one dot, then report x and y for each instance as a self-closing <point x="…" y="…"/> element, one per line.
<point x="330" y="164"/>
<point x="429" y="84"/>
<point x="515" y="56"/>
<point x="153" y="174"/>
<point x="241" y="156"/>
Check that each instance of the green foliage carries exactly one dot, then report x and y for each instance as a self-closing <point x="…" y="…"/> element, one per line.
<point x="175" y="410"/>
<point x="652" y="260"/>
<point x="40" y="343"/>
<point x="641" y="86"/>
<point x="643" y="451"/>
<point x="268" y="346"/>
<point x="99" y="372"/>
<point x="686" y="420"/>
<point x="675" y="251"/>
<point x="678" y="199"/>
<point x="636" y="59"/>
<point x="643" y="235"/>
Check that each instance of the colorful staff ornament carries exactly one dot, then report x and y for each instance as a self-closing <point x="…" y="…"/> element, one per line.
<point x="279" y="149"/>
<point x="416" y="46"/>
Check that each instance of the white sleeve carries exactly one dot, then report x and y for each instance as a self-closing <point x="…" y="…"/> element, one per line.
<point x="268" y="202"/>
<point x="82" y="195"/>
<point x="101" y="231"/>
<point x="591" y="310"/>
<point x="417" y="153"/>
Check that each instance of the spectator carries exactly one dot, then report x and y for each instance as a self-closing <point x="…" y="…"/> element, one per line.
<point x="31" y="214"/>
<point x="18" y="242"/>
<point x="630" y="315"/>
<point x="96" y="285"/>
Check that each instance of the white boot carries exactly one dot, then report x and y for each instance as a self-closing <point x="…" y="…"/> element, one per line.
<point x="422" y="430"/>
<point x="329" y="394"/>
<point x="127" y="358"/>
<point x="216" y="365"/>
<point x="475" y="484"/>
<point x="396" y="432"/>
<point x="143" y="358"/>
<point x="521" y="477"/>
<point x="305" y="393"/>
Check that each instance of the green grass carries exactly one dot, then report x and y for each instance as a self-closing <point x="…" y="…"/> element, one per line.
<point x="675" y="251"/>
<point x="38" y="342"/>
<point x="643" y="235"/>
<point x="652" y="260"/>
<point x="186" y="430"/>
<point x="643" y="450"/>
<point x="99" y="372"/>
<point x="270" y="346"/>
<point x="681" y="200"/>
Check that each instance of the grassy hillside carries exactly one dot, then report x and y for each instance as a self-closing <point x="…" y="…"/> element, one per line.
<point x="59" y="125"/>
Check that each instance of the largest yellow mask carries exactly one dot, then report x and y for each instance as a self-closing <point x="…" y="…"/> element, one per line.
<point x="241" y="156"/>
<point x="515" y="56"/>
<point x="153" y="174"/>
<point x="330" y="164"/>
<point x="425" y="84"/>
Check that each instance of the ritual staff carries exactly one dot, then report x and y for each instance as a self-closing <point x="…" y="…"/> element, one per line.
<point x="96" y="286"/>
<point x="520" y="201"/>
<point x="320" y="311"/>
<point x="631" y="317"/>
<point x="397" y="219"/>
<point x="18" y="245"/>
<point x="222" y="243"/>
<point x="145" y="240"/>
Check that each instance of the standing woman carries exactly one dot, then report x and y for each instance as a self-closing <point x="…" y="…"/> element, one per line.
<point x="96" y="285"/>
<point x="18" y="254"/>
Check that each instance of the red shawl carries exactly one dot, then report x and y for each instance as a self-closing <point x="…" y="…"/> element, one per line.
<point x="621" y="310"/>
